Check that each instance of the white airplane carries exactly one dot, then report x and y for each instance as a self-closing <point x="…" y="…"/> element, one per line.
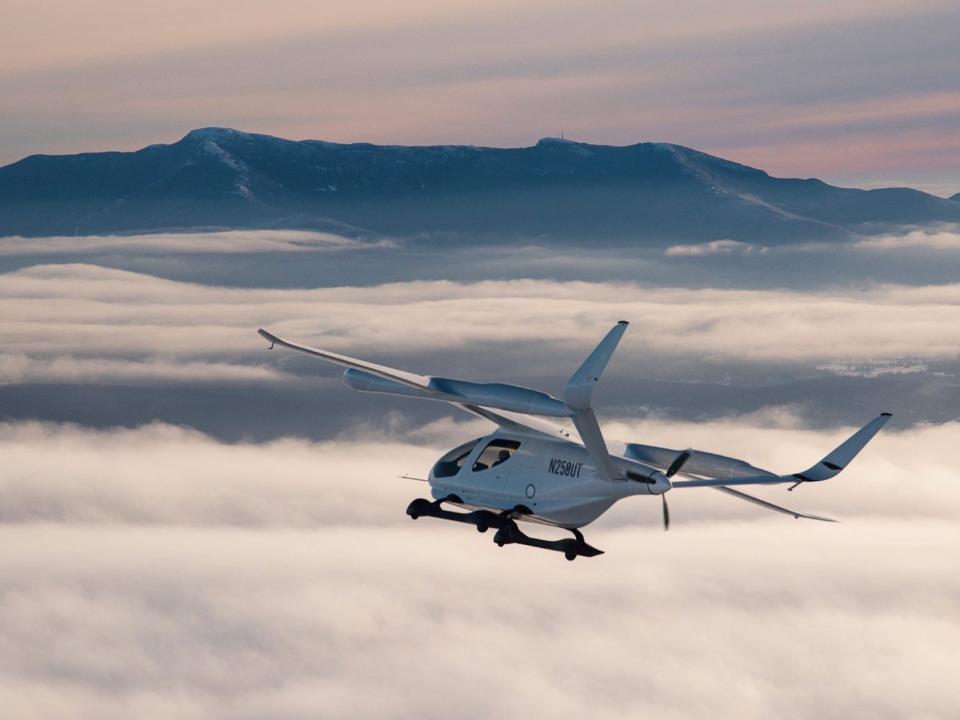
<point x="534" y="470"/>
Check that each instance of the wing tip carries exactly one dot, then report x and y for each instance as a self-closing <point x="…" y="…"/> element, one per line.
<point x="269" y="337"/>
<point x="886" y="414"/>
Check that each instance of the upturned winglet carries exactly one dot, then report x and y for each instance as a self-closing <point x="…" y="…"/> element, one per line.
<point x="844" y="453"/>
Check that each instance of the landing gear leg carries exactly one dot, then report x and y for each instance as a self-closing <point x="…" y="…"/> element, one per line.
<point x="508" y="533"/>
<point x="571" y="553"/>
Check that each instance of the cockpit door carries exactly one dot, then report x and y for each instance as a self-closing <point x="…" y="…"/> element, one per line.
<point x="488" y="471"/>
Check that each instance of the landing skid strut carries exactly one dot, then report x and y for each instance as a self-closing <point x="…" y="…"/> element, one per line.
<point x="507" y="530"/>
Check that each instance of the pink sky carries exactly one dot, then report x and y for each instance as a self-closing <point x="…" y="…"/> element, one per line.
<point x="856" y="92"/>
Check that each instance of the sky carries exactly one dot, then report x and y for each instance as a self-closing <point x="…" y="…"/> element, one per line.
<point x="855" y="92"/>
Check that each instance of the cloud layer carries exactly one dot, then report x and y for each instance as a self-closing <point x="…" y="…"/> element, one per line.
<point x="227" y="241"/>
<point x="62" y="315"/>
<point x="937" y="239"/>
<point x="163" y="474"/>
<point x="715" y="247"/>
<point x="156" y="573"/>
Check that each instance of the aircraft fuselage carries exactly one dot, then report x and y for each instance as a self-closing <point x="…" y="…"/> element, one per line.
<point x="552" y="478"/>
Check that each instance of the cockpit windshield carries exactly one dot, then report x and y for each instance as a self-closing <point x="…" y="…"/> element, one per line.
<point x="450" y="464"/>
<point x="495" y="453"/>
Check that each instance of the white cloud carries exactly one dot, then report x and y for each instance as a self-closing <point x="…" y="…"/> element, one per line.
<point x="714" y="247"/>
<point x="873" y="370"/>
<point x="174" y="329"/>
<point x="166" y="474"/>
<point x="15" y="368"/>
<point x="157" y="573"/>
<point x="227" y="241"/>
<point x="945" y="239"/>
<point x="741" y="621"/>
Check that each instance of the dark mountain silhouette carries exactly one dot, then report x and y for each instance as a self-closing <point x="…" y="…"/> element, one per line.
<point x="557" y="190"/>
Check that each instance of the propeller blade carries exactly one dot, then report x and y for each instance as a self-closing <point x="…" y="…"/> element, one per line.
<point x="666" y="512"/>
<point x="678" y="463"/>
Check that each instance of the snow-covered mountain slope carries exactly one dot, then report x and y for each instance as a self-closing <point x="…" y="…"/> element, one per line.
<point x="556" y="190"/>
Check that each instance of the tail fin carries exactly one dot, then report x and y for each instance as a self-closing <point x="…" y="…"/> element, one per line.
<point x="578" y="391"/>
<point x="837" y="460"/>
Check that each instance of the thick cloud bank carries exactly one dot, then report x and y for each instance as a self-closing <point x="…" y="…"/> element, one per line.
<point x="59" y="315"/>
<point x="754" y="621"/>
<point x="165" y="474"/>
<point x="157" y="573"/>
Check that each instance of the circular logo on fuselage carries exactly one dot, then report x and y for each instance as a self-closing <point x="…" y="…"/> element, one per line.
<point x="531" y="490"/>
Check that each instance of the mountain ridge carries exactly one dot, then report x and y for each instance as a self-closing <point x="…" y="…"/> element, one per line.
<point x="556" y="190"/>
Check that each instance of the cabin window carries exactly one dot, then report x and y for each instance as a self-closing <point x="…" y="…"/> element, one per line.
<point x="495" y="453"/>
<point x="450" y="464"/>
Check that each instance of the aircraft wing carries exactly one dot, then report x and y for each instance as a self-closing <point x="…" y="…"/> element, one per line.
<point x="521" y="407"/>
<point x="387" y="373"/>
<point x="370" y="377"/>
<point x="700" y="464"/>
<point x="507" y="405"/>
<point x="517" y="421"/>
<point x="718" y="470"/>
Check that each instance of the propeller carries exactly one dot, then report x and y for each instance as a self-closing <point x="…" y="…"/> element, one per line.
<point x="674" y="468"/>
<point x="678" y="463"/>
